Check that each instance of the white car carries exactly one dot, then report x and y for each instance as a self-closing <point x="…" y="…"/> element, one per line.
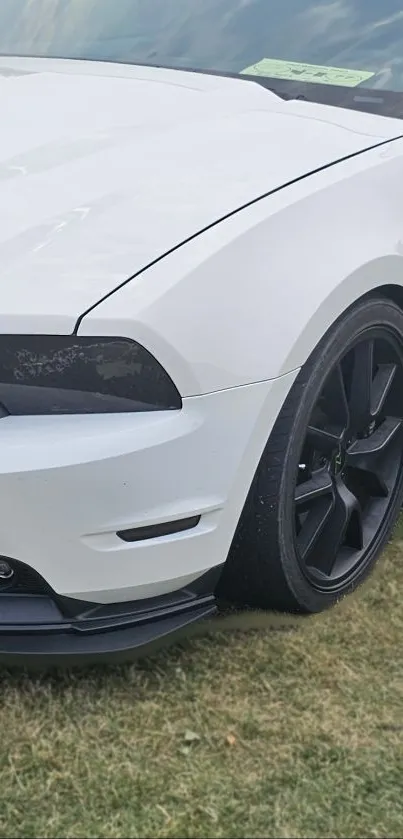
<point x="201" y="312"/>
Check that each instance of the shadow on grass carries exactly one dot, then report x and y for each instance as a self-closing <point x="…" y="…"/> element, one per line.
<point x="210" y="636"/>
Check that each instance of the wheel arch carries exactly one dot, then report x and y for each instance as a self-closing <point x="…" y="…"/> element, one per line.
<point x="365" y="282"/>
<point x="390" y="292"/>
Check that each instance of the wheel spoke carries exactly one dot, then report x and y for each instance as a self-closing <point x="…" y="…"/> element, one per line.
<point x="369" y="461"/>
<point x="363" y="453"/>
<point x="344" y="526"/>
<point x="314" y="524"/>
<point x="381" y="386"/>
<point x="317" y="496"/>
<point x="319" y="484"/>
<point x="372" y="482"/>
<point x="361" y="385"/>
<point x="336" y="399"/>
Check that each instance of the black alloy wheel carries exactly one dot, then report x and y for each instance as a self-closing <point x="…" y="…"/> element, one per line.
<point x="350" y="462"/>
<point x="329" y="485"/>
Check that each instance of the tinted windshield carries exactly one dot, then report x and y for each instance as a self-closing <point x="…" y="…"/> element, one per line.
<point x="349" y="42"/>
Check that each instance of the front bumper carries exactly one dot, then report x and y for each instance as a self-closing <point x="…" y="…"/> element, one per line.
<point x="44" y="630"/>
<point x="70" y="486"/>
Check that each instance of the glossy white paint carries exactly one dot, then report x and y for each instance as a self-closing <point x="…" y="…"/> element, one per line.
<point x="67" y="484"/>
<point x="103" y="170"/>
<point x="251" y="298"/>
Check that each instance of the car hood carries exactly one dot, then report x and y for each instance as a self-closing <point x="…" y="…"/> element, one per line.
<point x="105" y="168"/>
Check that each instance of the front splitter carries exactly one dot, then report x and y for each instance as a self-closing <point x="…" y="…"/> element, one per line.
<point x="36" y="630"/>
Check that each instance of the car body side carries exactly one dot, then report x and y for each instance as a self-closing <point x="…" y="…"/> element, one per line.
<point x="232" y="316"/>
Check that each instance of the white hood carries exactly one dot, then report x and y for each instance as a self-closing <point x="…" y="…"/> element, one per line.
<point x="105" y="168"/>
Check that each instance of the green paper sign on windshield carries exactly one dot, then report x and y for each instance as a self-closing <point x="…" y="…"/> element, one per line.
<point x="294" y="71"/>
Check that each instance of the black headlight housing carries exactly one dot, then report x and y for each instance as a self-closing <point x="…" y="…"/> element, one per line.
<point x="56" y="374"/>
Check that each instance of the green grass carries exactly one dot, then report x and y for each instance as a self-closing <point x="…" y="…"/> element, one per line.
<point x="259" y="733"/>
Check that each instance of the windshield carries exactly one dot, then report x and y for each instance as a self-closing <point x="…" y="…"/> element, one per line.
<point x="344" y="43"/>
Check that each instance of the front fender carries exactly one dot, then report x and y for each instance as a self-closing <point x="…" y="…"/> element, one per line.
<point x="249" y="299"/>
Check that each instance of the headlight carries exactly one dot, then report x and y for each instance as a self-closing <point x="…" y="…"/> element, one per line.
<point x="42" y="374"/>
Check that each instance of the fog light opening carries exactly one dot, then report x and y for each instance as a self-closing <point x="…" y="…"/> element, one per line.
<point x="6" y="571"/>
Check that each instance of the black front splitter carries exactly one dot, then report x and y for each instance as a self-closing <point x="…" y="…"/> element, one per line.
<point x="37" y="632"/>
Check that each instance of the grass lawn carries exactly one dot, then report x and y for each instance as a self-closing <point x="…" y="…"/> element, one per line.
<point x="241" y="734"/>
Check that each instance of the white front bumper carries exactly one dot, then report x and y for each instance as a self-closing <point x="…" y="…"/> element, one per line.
<point x="68" y="484"/>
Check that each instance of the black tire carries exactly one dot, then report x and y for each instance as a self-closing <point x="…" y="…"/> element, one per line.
<point x="265" y="568"/>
